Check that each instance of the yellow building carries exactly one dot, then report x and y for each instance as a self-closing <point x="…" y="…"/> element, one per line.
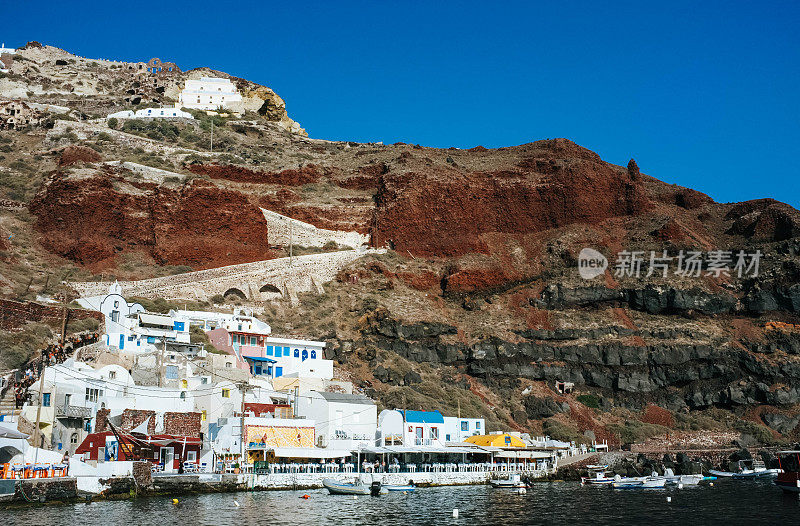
<point x="502" y="440"/>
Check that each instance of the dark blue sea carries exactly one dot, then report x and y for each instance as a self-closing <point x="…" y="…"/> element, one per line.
<point x="729" y="502"/>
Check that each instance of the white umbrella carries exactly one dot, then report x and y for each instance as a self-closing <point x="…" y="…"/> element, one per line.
<point x="7" y="432"/>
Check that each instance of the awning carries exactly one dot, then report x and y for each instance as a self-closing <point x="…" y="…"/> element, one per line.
<point x="381" y="450"/>
<point x="523" y="454"/>
<point x="155" y="319"/>
<point x="309" y="452"/>
<point x="7" y="432"/>
<point x="259" y="359"/>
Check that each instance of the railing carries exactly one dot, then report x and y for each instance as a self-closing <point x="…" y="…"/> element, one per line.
<point x="73" y="411"/>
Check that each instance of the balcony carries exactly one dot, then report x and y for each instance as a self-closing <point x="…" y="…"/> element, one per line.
<point x="72" y="411"/>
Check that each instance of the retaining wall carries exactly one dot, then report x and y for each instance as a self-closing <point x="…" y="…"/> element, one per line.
<point x="281" y="229"/>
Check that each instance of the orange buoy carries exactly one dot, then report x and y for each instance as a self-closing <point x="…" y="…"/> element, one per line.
<point x="306" y="496"/>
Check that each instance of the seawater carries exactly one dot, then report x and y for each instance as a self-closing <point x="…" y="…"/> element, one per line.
<point x="728" y="502"/>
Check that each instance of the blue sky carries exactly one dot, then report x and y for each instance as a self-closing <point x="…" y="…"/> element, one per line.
<point x="705" y="95"/>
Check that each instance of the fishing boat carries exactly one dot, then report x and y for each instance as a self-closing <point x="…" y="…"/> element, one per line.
<point x="674" y="480"/>
<point x="789" y="478"/>
<point x="758" y="470"/>
<point x="638" y="482"/>
<point x="345" y="488"/>
<point x="600" y="478"/>
<point x="512" y="482"/>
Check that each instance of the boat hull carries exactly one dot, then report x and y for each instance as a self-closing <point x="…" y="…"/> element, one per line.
<point x="340" y="488"/>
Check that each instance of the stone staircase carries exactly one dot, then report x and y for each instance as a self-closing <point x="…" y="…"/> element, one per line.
<point x="8" y="403"/>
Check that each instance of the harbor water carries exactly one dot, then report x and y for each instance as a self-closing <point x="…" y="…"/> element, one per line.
<point x="727" y="502"/>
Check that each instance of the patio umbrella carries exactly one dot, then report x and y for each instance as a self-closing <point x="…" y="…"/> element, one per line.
<point x="7" y="432"/>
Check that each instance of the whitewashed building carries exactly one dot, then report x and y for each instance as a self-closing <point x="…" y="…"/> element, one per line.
<point x="419" y="428"/>
<point x="152" y="113"/>
<point x="344" y="421"/>
<point x="458" y="429"/>
<point x="209" y="93"/>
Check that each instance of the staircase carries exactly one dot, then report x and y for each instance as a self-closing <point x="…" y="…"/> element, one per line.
<point x="8" y="403"/>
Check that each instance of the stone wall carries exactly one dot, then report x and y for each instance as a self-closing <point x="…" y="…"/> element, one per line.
<point x="282" y="228"/>
<point x="14" y="314"/>
<point x="257" y="281"/>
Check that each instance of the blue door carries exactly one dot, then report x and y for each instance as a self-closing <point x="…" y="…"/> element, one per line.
<point x="305" y="355"/>
<point x="278" y="371"/>
<point x="121" y="341"/>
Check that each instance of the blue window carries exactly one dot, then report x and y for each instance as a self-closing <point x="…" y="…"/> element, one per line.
<point x="297" y="353"/>
<point x="305" y="355"/>
<point x="477" y="425"/>
<point x="178" y="325"/>
<point x="151" y="339"/>
<point x="269" y="370"/>
<point x="278" y="371"/>
<point x="256" y="369"/>
<point x="464" y="425"/>
<point x="138" y="343"/>
<point x="131" y="338"/>
<point x="172" y="372"/>
<point x="252" y="341"/>
<point x="313" y="354"/>
<point x="46" y="400"/>
<point x="269" y="350"/>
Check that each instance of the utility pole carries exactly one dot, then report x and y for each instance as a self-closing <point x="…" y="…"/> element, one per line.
<point x="241" y="439"/>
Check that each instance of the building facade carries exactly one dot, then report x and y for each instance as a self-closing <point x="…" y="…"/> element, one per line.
<point x="344" y="421"/>
<point x="459" y="429"/>
<point x="209" y="93"/>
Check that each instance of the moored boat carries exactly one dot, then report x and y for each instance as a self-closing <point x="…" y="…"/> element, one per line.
<point x="638" y="482"/>
<point x="512" y="482"/>
<point x="789" y="477"/>
<point x="345" y="488"/>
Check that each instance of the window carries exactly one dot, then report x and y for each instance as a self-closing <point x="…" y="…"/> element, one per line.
<point x="204" y="380"/>
<point x="73" y="439"/>
<point x="183" y="395"/>
<point x="269" y="350"/>
<point x="115" y="316"/>
<point x="313" y="354"/>
<point x="172" y="372"/>
<point x="228" y="365"/>
<point x="464" y="425"/>
<point x="297" y="353"/>
<point x="242" y="340"/>
<point x="252" y="341"/>
<point x="226" y="393"/>
<point x="178" y="325"/>
<point x="477" y="425"/>
<point x="434" y="433"/>
<point x="67" y="398"/>
<point x="91" y="395"/>
<point x="46" y="400"/>
<point x="447" y="438"/>
<point x="112" y="375"/>
<point x="203" y="415"/>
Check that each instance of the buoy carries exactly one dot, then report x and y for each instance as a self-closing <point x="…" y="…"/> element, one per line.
<point x="711" y="484"/>
<point x="174" y="501"/>
<point x="669" y="499"/>
<point x="236" y="502"/>
<point x="355" y="497"/>
<point x="522" y="491"/>
<point x="680" y="486"/>
<point x="455" y="513"/>
<point x="306" y="496"/>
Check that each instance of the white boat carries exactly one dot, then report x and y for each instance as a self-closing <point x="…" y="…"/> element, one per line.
<point x="638" y="482"/>
<point x="599" y="478"/>
<point x="399" y="487"/>
<point x="512" y="482"/>
<point x="674" y="480"/>
<point x="345" y="488"/>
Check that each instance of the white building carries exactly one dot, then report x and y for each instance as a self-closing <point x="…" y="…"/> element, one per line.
<point x="344" y="421"/>
<point x="209" y="93"/>
<point x="411" y="428"/>
<point x="154" y="113"/>
<point x="459" y="429"/>
<point x="6" y="50"/>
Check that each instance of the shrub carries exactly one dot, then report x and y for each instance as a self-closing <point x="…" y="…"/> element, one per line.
<point x="217" y="299"/>
<point x="563" y="432"/>
<point x="589" y="400"/>
<point x="113" y="123"/>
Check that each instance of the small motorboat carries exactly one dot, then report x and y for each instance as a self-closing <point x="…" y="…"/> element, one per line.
<point x="674" y="480"/>
<point x="638" y="482"/>
<point x="512" y="482"/>
<point x="399" y="487"/>
<point x="345" y="488"/>
<point x="600" y="478"/>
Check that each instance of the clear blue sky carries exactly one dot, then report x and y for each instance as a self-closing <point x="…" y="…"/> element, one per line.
<point x="702" y="94"/>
